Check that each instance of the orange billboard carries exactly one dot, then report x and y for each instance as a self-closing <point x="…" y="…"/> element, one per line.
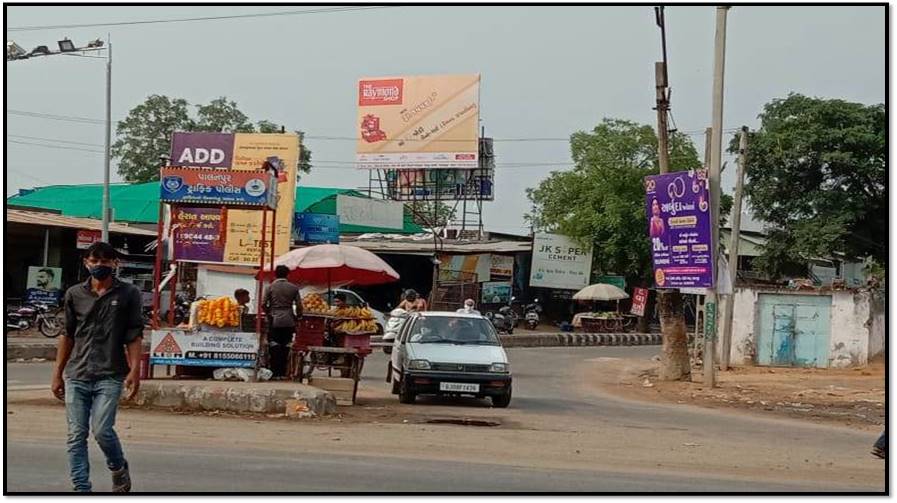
<point x="418" y="122"/>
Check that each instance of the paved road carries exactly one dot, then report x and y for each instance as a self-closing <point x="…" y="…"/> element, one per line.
<point x="632" y="446"/>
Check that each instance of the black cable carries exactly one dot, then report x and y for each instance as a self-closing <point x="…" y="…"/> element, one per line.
<point x="193" y="19"/>
<point x="54" y="139"/>
<point x="55" y="146"/>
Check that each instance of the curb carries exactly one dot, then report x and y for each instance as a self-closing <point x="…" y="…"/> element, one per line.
<point x="579" y="339"/>
<point x="295" y="399"/>
<point x="35" y="350"/>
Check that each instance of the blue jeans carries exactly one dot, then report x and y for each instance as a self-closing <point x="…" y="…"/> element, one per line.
<point x="91" y="405"/>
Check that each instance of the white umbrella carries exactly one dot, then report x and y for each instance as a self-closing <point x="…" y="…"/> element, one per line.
<point x="600" y="291"/>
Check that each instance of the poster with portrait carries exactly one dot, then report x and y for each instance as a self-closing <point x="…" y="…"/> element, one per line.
<point x="44" y="285"/>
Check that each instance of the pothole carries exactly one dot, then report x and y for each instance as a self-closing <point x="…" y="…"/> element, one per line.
<point x="463" y="421"/>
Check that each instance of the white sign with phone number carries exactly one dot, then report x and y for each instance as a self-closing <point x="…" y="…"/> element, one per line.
<point x="204" y="348"/>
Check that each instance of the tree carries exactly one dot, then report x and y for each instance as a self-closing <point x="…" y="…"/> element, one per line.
<point x="600" y="203"/>
<point x="222" y="116"/>
<point x="817" y="175"/>
<point x="422" y="213"/>
<point x="145" y="135"/>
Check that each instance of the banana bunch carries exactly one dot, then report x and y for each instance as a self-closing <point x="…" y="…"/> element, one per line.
<point x="357" y="326"/>
<point x="361" y="313"/>
<point x="314" y="304"/>
<point x="220" y="312"/>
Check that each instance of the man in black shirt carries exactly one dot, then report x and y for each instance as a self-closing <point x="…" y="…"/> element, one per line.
<point x="103" y="316"/>
<point x="283" y="307"/>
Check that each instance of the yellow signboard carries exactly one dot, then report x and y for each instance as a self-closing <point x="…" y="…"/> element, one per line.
<point x="244" y="227"/>
<point x="419" y="122"/>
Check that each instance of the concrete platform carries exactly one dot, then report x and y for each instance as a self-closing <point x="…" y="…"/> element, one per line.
<point x="279" y="397"/>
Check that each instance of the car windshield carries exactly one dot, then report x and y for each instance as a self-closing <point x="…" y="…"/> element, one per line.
<point x="451" y="330"/>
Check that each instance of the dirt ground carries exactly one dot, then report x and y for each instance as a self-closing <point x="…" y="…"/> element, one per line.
<point x="849" y="397"/>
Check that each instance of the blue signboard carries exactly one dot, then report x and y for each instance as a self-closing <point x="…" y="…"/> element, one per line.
<point x="218" y="187"/>
<point x="316" y="228"/>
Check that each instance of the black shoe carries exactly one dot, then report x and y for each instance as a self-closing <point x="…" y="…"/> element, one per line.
<point x="121" y="480"/>
<point x="878" y="452"/>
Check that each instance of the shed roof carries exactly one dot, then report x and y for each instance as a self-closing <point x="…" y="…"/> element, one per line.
<point x="46" y="219"/>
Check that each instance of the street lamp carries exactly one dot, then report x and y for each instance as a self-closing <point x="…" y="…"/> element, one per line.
<point x="15" y="52"/>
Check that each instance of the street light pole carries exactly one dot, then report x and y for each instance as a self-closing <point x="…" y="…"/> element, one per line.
<point x="106" y="202"/>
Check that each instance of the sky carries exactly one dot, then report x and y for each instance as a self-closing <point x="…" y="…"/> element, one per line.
<point x="547" y="71"/>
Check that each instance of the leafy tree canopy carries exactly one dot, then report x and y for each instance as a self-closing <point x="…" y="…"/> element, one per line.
<point x="816" y="172"/>
<point x="144" y="136"/>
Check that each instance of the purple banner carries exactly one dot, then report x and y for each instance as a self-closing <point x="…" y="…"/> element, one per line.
<point x="204" y="150"/>
<point x="198" y="235"/>
<point x="679" y="226"/>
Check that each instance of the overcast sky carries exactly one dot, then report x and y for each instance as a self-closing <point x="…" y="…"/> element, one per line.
<point x="546" y="72"/>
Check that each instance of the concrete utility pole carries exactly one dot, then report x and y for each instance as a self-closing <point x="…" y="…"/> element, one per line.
<point x="716" y="147"/>
<point x="107" y="207"/>
<point x="733" y="250"/>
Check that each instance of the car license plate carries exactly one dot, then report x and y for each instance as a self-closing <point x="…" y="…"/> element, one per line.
<point x="459" y="387"/>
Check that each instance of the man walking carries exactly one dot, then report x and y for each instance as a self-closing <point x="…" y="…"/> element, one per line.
<point x="281" y="299"/>
<point x="103" y="317"/>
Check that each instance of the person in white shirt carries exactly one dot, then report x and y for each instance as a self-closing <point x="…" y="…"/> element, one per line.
<point x="468" y="308"/>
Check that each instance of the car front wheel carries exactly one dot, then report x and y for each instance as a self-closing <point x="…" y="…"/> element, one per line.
<point x="405" y="393"/>
<point x="503" y="400"/>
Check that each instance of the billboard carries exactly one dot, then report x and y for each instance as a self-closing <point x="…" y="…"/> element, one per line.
<point x="496" y="292"/>
<point x="370" y="212"/>
<point x="87" y="237"/>
<point x="418" y="122"/>
<point x="315" y="228"/>
<point x="241" y="152"/>
<point x="218" y="187"/>
<point x="678" y="210"/>
<point x="207" y="348"/>
<point x="44" y="285"/>
<point x="198" y="234"/>
<point x="559" y="263"/>
<point x="502" y="265"/>
<point x="639" y="301"/>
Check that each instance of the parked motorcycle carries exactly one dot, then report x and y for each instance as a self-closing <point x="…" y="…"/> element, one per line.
<point x="532" y="314"/>
<point x="48" y="320"/>
<point x="504" y="320"/>
<point x="181" y="310"/>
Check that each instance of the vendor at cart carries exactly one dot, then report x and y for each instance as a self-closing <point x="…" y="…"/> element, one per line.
<point x="283" y="307"/>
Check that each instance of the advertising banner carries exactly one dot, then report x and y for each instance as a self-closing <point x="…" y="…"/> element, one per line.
<point x="217" y="187"/>
<point x="370" y="212"/>
<point x="678" y="209"/>
<point x="501" y="266"/>
<point x="418" y="122"/>
<point x="315" y="228"/>
<point x="639" y="301"/>
<point x="203" y="348"/>
<point x="496" y="292"/>
<point x="442" y="184"/>
<point x="560" y="263"/>
<point x="87" y="237"/>
<point x="617" y="281"/>
<point x="44" y="285"/>
<point x="464" y="267"/>
<point x="203" y="150"/>
<point x="242" y="152"/>
<point x="198" y="234"/>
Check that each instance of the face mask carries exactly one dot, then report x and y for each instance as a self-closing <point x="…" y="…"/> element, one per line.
<point x="101" y="272"/>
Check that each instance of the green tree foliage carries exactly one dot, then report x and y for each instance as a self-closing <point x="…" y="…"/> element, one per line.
<point x="144" y="136"/>
<point x="817" y="174"/>
<point x="601" y="201"/>
<point x="422" y="213"/>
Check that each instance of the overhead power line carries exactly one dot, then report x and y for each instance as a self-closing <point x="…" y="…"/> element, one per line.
<point x="207" y="18"/>
<point x="38" y="138"/>
<point x="55" y="146"/>
<point x="67" y="118"/>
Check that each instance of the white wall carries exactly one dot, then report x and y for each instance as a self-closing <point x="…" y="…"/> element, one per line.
<point x="850" y="330"/>
<point x="857" y="328"/>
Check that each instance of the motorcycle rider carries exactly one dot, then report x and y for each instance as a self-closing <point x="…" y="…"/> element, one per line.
<point x="469" y="307"/>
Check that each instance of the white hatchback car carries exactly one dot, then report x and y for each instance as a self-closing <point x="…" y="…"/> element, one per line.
<point x="443" y="353"/>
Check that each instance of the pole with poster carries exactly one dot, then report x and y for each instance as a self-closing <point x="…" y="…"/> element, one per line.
<point x="215" y="341"/>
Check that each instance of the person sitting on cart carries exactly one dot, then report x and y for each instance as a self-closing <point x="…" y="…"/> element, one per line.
<point x="283" y="307"/>
<point x="413" y="302"/>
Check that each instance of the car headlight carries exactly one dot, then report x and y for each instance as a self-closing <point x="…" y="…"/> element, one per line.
<point x="419" y="365"/>
<point x="499" y="367"/>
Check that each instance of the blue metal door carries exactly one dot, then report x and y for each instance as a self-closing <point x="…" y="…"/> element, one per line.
<point x="794" y="330"/>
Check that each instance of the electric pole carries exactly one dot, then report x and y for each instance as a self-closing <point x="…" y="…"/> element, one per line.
<point x="733" y="250"/>
<point x="716" y="144"/>
<point x="674" y="363"/>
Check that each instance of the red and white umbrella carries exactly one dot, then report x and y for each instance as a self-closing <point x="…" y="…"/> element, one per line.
<point x="333" y="264"/>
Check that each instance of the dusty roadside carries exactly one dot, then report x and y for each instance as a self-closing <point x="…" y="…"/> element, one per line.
<point x="846" y="397"/>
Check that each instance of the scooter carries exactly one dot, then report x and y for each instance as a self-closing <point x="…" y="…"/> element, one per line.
<point x="48" y="320"/>
<point x="532" y="314"/>
<point x="395" y="322"/>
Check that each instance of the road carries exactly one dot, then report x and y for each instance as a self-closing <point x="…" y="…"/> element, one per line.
<point x="561" y="433"/>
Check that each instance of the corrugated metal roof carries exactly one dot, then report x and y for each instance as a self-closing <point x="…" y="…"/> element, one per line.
<point x="53" y="220"/>
<point x="422" y="246"/>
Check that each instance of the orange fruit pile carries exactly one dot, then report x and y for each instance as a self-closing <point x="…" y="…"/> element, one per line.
<point x="220" y="312"/>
